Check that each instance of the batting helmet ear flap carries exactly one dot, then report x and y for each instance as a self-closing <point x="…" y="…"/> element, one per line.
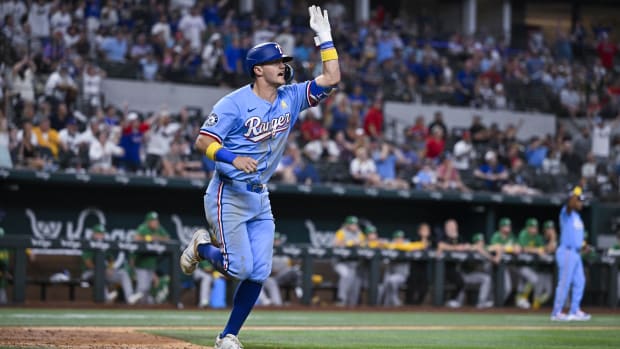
<point x="289" y="73"/>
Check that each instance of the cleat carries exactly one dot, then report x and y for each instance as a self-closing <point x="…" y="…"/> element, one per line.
<point x="229" y="341"/>
<point x="560" y="317"/>
<point x="484" y="305"/>
<point x="190" y="258"/>
<point x="579" y="316"/>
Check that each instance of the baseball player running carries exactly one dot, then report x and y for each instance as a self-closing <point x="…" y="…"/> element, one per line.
<point x="568" y="259"/>
<point x="246" y="134"/>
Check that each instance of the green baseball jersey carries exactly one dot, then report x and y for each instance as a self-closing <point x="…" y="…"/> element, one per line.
<point x="499" y="239"/>
<point x="148" y="260"/>
<point x="528" y="240"/>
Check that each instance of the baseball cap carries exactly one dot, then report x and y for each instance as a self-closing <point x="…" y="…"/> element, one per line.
<point x="490" y="155"/>
<point x="504" y="221"/>
<point x="398" y="234"/>
<point x="350" y="220"/>
<point x="578" y="192"/>
<point x="477" y="237"/>
<point x="132" y="116"/>
<point x="98" y="228"/>
<point x="531" y="222"/>
<point x="277" y="236"/>
<point x="151" y="215"/>
<point x="549" y="224"/>
<point x="370" y="229"/>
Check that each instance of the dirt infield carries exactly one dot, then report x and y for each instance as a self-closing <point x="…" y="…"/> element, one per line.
<point x="87" y="338"/>
<point x="134" y="337"/>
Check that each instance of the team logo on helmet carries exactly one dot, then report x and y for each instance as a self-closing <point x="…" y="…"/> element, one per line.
<point x="212" y="119"/>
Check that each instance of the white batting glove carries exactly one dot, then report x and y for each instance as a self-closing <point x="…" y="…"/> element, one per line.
<point x="319" y="22"/>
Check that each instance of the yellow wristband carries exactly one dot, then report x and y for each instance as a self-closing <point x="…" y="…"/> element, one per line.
<point x="212" y="149"/>
<point x="329" y="54"/>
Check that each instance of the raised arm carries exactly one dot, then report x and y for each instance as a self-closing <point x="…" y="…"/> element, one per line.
<point x="319" y="22"/>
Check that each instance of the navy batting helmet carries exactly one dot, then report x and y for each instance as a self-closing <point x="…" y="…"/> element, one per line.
<point x="264" y="53"/>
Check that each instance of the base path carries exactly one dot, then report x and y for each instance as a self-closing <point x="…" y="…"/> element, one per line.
<point x="88" y="338"/>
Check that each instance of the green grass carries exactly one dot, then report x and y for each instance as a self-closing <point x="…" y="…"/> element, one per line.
<point x="502" y="330"/>
<point x="411" y="339"/>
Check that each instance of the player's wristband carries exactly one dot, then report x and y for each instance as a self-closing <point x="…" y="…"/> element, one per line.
<point x="322" y="37"/>
<point x="216" y="152"/>
<point x="328" y="51"/>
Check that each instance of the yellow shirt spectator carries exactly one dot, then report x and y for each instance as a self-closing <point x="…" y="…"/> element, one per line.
<point x="47" y="137"/>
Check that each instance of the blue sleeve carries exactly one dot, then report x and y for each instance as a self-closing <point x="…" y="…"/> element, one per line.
<point x="222" y="120"/>
<point x="307" y="94"/>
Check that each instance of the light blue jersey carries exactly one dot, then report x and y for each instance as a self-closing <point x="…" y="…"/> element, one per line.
<point x="248" y="125"/>
<point x="571" y="229"/>
<point x="237" y="204"/>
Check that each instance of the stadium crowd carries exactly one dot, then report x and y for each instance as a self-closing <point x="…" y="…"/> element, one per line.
<point x="56" y="54"/>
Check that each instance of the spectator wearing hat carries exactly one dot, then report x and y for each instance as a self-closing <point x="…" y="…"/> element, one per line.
<point x="349" y="275"/>
<point x="491" y="172"/>
<point x="504" y="241"/>
<point x="146" y="263"/>
<point x="532" y="242"/>
<point x="115" y="271"/>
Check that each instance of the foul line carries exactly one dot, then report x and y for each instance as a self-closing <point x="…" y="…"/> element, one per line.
<point x="566" y="327"/>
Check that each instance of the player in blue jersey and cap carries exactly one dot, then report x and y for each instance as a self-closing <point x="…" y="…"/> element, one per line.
<point x="246" y="134"/>
<point x="567" y="256"/>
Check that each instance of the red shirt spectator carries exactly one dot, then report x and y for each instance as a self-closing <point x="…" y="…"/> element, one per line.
<point x="418" y="129"/>
<point x="311" y="128"/>
<point x="373" y="122"/>
<point x="435" y="144"/>
<point x="606" y="52"/>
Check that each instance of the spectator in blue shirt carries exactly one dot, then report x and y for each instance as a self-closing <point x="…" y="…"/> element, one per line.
<point x="115" y="47"/>
<point x="150" y="67"/>
<point x="536" y="153"/>
<point x="386" y="158"/>
<point x="465" y="81"/>
<point x="492" y="172"/>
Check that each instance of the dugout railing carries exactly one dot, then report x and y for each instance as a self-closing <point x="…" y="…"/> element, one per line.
<point x="19" y="244"/>
<point x="603" y="281"/>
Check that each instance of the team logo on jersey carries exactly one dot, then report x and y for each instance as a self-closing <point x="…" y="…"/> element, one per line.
<point x="212" y="119"/>
<point x="283" y="105"/>
<point x="260" y="130"/>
